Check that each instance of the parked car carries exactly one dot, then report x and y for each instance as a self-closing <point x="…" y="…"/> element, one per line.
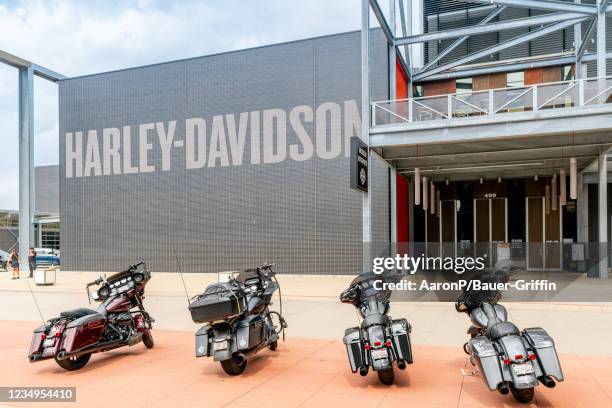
<point x="3" y="259"/>
<point x="47" y="257"/>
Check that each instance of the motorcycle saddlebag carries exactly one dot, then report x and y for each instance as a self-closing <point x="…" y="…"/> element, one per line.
<point x="249" y="332"/>
<point x="488" y="362"/>
<point x="354" y="348"/>
<point x="202" y="341"/>
<point x="83" y="332"/>
<point x="218" y="302"/>
<point x="544" y="348"/>
<point x="400" y="329"/>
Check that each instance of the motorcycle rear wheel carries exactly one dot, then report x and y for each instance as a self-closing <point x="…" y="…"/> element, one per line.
<point x="74" y="363"/>
<point x="522" y="395"/>
<point x="234" y="366"/>
<point x="386" y="376"/>
<point x="147" y="339"/>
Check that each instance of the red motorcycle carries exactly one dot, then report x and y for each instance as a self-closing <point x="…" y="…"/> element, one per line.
<point x="120" y="320"/>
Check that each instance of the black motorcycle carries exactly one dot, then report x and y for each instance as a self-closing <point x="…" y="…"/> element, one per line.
<point x="238" y="318"/>
<point x="378" y="341"/>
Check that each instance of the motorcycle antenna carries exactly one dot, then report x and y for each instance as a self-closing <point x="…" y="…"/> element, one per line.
<point x="178" y="264"/>
<point x="35" y="301"/>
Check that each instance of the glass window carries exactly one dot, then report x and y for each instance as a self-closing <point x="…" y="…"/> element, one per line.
<point x="515" y="79"/>
<point x="567" y="73"/>
<point x="464" y="85"/>
<point x="418" y="91"/>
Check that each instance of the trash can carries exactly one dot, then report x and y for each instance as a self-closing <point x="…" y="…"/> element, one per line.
<point x="44" y="276"/>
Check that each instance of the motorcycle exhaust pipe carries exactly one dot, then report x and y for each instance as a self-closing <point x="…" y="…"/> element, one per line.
<point x="401" y="364"/>
<point x="547" y="381"/>
<point x="363" y="371"/>
<point x="240" y="358"/>
<point x="503" y="389"/>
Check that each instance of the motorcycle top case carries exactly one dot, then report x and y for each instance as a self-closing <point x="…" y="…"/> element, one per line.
<point x="218" y="302"/>
<point x="354" y="348"/>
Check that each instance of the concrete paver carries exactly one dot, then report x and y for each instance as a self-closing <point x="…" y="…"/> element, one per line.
<point x="301" y="373"/>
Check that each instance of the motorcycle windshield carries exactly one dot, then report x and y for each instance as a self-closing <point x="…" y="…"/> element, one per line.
<point x="369" y="281"/>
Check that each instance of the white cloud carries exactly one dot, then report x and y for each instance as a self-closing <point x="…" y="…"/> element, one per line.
<point x="84" y="37"/>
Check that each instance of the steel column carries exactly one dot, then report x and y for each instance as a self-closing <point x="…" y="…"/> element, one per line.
<point x="602" y="207"/>
<point x="580" y="206"/>
<point x="393" y="203"/>
<point x="26" y="163"/>
<point x="392" y="52"/>
<point x="365" y="131"/>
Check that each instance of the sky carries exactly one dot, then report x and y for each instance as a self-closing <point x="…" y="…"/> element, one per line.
<point x="79" y="37"/>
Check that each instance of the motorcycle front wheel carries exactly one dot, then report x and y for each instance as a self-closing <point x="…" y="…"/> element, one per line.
<point x="74" y="363"/>
<point x="522" y="395"/>
<point x="386" y="376"/>
<point x="234" y="365"/>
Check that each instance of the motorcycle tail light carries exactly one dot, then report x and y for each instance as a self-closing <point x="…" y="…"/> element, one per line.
<point x="507" y="361"/>
<point x="57" y="334"/>
<point x="518" y="357"/>
<point x="367" y="347"/>
<point x="43" y="336"/>
<point x="377" y="343"/>
<point x="532" y="357"/>
<point x="388" y="343"/>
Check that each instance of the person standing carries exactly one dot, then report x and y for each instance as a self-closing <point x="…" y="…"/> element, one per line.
<point x="32" y="261"/>
<point x="13" y="260"/>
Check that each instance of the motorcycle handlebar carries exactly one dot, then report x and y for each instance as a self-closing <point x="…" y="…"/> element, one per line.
<point x="136" y="265"/>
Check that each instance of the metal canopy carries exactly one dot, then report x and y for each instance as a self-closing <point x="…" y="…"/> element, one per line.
<point x="561" y="15"/>
<point x="27" y="71"/>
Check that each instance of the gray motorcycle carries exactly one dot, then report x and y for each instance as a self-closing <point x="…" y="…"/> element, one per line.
<point x="378" y="341"/>
<point x="509" y="359"/>
<point x="238" y="318"/>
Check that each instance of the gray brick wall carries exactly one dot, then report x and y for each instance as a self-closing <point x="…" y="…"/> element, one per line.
<point x="46" y="189"/>
<point x="301" y="214"/>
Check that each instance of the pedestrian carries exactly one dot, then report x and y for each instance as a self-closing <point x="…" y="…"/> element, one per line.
<point x="13" y="260"/>
<point x="32" y="261"/>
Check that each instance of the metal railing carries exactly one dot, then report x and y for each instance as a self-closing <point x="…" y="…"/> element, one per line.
<point x="532" y="98"/>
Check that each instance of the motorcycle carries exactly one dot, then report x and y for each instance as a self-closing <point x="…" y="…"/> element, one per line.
<point x="379" y="341"/>
<point x="510" y="360"/>
<point x="120" y="320"/>
<point x="237" y="316"/>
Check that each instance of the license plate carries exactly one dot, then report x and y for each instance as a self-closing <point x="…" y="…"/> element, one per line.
<point x="49" y="342"/>
<point x="220" y="345"/>
<point x="522" y="369"/>
<point x="378" y="354"/>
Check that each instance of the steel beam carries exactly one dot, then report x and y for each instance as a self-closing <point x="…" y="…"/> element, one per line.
<point x="26" y="165"/>
<point x="585" y="43"/>
<point x="542" y="5"/>
<point x="381" y="20"/>
<point x="461" y="40"/>
<point x="484" y="28"/>
<point x="392" y="53"/>
<point x="404" y="28"/>
<point x="19" y="63"/>
<point x="496" y="48"/>
<point x="365" y="129"/>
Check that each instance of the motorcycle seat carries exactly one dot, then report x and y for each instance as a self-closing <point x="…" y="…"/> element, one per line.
<point x="77" y="313"/>
<point x="375" y="319"/>
<point x="501" y="329"/>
